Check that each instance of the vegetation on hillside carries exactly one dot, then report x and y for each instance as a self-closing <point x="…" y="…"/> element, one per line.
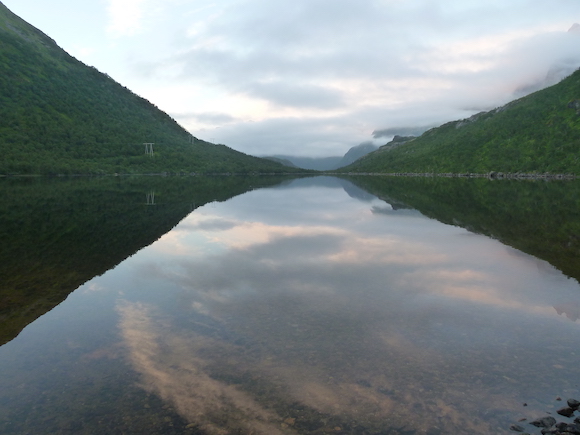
<point x="537" y="133"/>
<point x="59" y="116"/>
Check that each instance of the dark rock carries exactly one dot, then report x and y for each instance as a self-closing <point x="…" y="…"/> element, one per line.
<point x="544" y="422"/>
<point x="516" y="428"/>
<point x="563" y="429"/>
<point x="573" y="403"/>
<point x="566" y="412"/>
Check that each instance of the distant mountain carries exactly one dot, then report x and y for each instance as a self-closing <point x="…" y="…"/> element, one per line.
<point x="537" y="133"/>
<point x="58" y="115"/>
<point x="326" y="163"/>
<point x="284" y="162"/>
<point x="312" y="163"/>
<point x="357" y="152"/>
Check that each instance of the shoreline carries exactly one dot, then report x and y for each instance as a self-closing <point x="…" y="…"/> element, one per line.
<point x="492" y="175"/>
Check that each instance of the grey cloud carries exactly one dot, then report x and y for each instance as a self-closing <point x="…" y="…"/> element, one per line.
<point x="296" y="95"/>
<point x="325" y="136"/>
<point x="288" y="56"/>
<point x="549" y="59"/>
<point x="206" y="117"/>
<point x="401" y="131"/>
<point x="300" y="136"/>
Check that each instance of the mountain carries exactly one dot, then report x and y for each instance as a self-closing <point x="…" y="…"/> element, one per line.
<point x="537" y="133"/>
<point x="357" y="152"/>
<point x="326" y="163"/>
<point x="58" y="115"/>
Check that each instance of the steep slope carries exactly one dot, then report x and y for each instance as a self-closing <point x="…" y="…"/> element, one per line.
<point x="536" y="133"/>
<point x="356" y="153"/>
<point x="58" y="115"/>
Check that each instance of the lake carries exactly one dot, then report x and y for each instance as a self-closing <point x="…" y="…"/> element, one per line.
<point x="262" y="305"/>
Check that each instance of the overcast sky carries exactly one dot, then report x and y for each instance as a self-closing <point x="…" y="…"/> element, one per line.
<point x="314" y="77"/>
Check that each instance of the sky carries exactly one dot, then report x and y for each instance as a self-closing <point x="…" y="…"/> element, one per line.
<point x="316" y="77"/>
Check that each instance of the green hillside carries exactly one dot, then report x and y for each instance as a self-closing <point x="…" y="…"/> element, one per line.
<point x="58" y="115"/>
<point x="537" y="133"/>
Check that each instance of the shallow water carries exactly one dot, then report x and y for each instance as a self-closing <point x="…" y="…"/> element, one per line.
<point x="310" y="307"/>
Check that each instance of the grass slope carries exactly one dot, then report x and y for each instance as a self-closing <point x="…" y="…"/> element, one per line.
<point x="58" y="115"/>
<point x="537" y="133"/>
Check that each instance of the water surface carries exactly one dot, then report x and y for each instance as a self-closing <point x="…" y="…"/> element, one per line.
<point x="310" y="307"/>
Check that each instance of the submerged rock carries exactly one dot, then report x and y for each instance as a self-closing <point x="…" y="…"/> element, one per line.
<point x="566" y="412"/>
<point x="544" y="422"/>
<point x="562" y="429"/>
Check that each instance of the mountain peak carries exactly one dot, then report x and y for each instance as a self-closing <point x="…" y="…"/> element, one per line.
<point x="575" y="28"/>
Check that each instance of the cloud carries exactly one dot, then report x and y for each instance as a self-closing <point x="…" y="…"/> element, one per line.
<point x="125" y="16"/>
<point x="401" y="131"/>
<point x="296" y="95"/>
<point x="315" y="80"/>
<point x="317" y="136"/>
<point x="208" y="118"/>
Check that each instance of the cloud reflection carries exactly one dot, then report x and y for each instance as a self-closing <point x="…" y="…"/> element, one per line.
<point x="171" y="369"/>
<point x="296" y="325"/>
<point x="184" y="369"/>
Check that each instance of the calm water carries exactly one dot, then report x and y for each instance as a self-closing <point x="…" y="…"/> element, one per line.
<point x="309" y="307"/>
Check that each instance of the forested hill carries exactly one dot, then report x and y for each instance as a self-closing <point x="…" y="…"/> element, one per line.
<point x="58" y="115"/>
<point x="537" y="133"/>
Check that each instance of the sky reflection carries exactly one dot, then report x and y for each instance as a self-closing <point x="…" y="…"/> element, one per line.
<point x="303" y="299"/>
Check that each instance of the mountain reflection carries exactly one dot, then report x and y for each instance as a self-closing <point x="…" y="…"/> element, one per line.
<point x="59" y="233"/>
<point x="570" y="310"/>
<point x="537" y="217"/>
<point x="334" y="319"/>
<point x="308" y="307"/>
